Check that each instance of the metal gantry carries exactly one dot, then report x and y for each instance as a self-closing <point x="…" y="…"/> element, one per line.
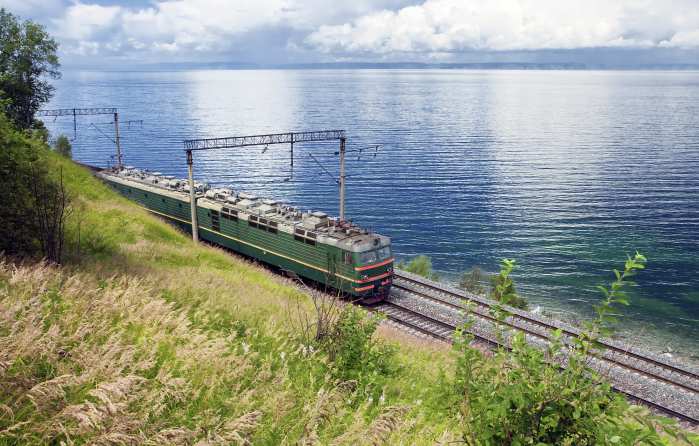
<point x="193" y="145"/>
<point x="75" y="112"/>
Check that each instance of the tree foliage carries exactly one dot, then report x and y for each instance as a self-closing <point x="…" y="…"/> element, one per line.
<point x="34" y="206"/>
<point x="63" y="146"/>
<point x="27" y="61"/>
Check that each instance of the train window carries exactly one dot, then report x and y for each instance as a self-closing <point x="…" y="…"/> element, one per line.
<point x="347" y="257"/>
<point x="253" y="218"/>
<point x="233" y="212"/>
<point x="300" y="231"/>
<point x="311" y="234"/>
<point x="252" y="223"/>
<point x="214" y="212"/>
<point x="298" y="238"/>
<point x="367" y="257"/>
<point x="263" y="221"/>
<point x="225" y="209"/>
<point x="272" y="230"/>
<point x="383" y="253"/>
<point x="310" y="242"/>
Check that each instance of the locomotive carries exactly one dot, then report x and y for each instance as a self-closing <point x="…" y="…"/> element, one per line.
<point x="337" y="254"/>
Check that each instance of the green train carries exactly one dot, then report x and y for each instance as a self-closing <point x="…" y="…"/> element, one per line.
<point x="337" y="254"/>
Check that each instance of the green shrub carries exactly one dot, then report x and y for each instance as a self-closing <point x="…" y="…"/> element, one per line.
<point x="503" y="288"/>
<point x="473" y="281"/>
<point x="420" y="265"/>
<point x="522" y="395"/>
<point x="63" y="147"/>
<point x="355" y="353"/>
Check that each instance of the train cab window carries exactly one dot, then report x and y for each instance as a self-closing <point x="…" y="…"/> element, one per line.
<point x="367" y="257"/>
<point x="383" y="253"/>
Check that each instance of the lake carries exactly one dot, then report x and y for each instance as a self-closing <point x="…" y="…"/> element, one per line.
<point x="564" y="171"/>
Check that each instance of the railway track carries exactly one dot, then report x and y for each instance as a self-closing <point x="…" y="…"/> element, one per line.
<point x="662" y="385"/>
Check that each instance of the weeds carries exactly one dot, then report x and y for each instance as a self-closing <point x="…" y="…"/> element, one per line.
<point x="529" y="395"/>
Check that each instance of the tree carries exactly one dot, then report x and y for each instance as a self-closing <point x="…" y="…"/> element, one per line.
<point x="27" y="58"/>
<point x="63" y="146"/>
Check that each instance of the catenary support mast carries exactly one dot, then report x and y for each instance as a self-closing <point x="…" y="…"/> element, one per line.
<point x="75" y="112"/>
<point x="193" y="145"/>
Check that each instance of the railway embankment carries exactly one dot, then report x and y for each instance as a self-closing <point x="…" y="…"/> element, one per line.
<point x="142" y="337"/>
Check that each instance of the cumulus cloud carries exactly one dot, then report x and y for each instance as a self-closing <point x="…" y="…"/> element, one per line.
<point x="180" y="27"/>
<point x="439" y="26"/>
<point x="283" y="30"/>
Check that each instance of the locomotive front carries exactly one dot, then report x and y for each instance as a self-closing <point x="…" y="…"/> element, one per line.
<point x="373" y="269"/>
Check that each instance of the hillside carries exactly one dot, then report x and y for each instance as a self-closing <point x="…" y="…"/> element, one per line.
<point x="141" y="337"/>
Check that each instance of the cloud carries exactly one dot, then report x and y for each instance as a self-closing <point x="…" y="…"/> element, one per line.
<point x="439" y="26"/>
<point x="281" y="31"/>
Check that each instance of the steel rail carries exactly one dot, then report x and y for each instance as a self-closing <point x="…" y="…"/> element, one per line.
<point x="546" y="338"/>
<point x="671" y="368"/>
<point x="412" y="325"/>
<point x="495" y="343"/>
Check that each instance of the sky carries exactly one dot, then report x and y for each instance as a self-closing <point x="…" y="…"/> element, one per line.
<point x="135" y="32"/>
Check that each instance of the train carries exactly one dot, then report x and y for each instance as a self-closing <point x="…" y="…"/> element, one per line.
<point x="335" y="254"/>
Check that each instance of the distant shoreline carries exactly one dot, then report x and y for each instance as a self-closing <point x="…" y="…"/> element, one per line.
<point x="387" y="66"/>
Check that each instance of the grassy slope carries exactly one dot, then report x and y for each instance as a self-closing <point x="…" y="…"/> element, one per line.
<point x="147" y="338"/>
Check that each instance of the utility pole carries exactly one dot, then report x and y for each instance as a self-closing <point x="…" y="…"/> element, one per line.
<point x="116" y="140"/>
<point x="192" y="197"/>
<point x="342" y="178"/>
<point x="292" y="151"/>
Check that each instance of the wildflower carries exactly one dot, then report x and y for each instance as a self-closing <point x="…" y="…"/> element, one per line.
<point x="382" y="398"/>
<point x="246" y="348"/>
<point x="282" y="355"/>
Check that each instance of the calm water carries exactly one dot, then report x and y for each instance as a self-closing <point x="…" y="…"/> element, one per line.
<point x="564" y="171"/>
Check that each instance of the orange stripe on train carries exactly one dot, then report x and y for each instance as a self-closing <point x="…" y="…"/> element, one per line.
<point x="375" y="265"/>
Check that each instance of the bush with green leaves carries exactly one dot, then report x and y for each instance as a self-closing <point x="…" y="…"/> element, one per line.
<point x="473" y="281"/>
<point x="420" y="265"/>
<point x="355" y="353"/>
<point x="524" y="395"/>
<point x="63" y="146"/>
<point x="503" y="288"/>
